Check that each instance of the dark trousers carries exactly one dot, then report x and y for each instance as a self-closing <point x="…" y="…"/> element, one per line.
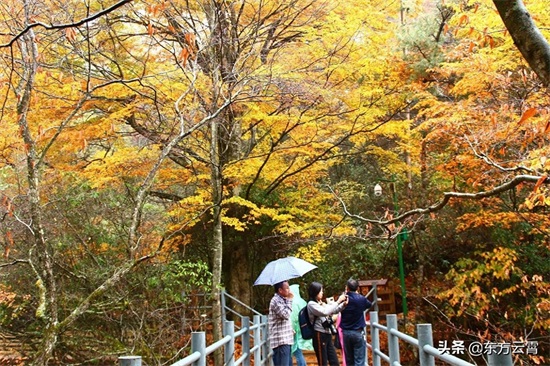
<point x="282" y="355"/>
<point x="324" y="349"/>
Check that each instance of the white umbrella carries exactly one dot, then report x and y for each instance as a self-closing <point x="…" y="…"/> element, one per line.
<point x="282" y="270"/>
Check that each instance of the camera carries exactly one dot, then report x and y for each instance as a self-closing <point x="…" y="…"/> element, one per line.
<point x="329" y="324"/>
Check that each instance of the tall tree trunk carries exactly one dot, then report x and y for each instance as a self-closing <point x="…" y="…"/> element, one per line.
<point x="527" y="38"/>
<point x="43" y="264"/>
<point x="217" y="236"/>
<point x="237" y="270"/>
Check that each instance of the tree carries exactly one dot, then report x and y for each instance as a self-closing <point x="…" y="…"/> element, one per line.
<point x="536" y="177"/>
<point x="484" y="138"/>
<point x="46" y="116"/>
<point x="150" y="129"/>
<point x="527" y="38"/>
<point x="278" y="136"/>
<point x="107" y="97"/>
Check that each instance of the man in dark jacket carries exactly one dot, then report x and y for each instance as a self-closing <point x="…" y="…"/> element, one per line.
<point x="353" y="325"/>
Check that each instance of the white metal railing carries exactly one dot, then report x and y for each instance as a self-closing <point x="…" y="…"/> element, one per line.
<point x="199" y="350"/>
<point x="253" y="338"/>
<point x="427" y="353"/>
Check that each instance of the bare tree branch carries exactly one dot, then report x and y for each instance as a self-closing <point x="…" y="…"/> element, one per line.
<point x="66" y="25"/>
<point x="14" y="262"/>
<point x="447" y="196"/>
<point x="491" y="162"/>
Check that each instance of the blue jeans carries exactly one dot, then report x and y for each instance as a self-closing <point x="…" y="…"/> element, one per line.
<point x="355" y="347"/>
<point x="282" y="355"/>
<point x="299" y="356"/>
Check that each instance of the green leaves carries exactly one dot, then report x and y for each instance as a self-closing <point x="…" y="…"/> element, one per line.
<point x="179" y="279"/>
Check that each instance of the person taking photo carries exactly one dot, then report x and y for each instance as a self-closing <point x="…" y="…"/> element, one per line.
<point x="320" y="315"/>
<point x="353" y="324"/>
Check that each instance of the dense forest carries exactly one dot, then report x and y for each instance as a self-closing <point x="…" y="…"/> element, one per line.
<point x="155" y="152"/>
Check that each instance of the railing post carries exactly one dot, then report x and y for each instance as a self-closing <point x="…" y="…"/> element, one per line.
<point x="229" y="349"/>
<point x="366" y="348"/>
<point x="424" y="332"/>
<point x="245" y="340"/>
<point x="198" y="344"/>
<point x="257" y="340"/>
<point x="223" y="305"/>
<point x="265" y="341"/>
<point x="393" y="341"/>
<point x="374" y="338"/>
<point x="495" y="359"/>
<point x="375" y="296"/>
<point x="129" y="360"/>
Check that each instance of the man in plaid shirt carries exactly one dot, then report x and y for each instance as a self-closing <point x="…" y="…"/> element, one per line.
<point x="281" y="334"/>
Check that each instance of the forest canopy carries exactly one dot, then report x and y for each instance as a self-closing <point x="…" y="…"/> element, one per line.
<point x="155" y="152"/>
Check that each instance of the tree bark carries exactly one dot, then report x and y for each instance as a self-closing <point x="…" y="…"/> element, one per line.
<point x="237" y="276"/>
<point x="43" y="264"/>
<point x="527" y="37"/>
<point x="217" y="234"/>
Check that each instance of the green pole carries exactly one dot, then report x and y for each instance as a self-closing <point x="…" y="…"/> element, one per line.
<point x="402" y="274"/>
<point x="400" y="254"/>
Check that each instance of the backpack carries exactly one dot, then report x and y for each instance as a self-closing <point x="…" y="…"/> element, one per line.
<point x="306" y="328"/>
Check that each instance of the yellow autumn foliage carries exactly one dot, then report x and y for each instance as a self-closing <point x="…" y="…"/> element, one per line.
<point x="123" y="162"/>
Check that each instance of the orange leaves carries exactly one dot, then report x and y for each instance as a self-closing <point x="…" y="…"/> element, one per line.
<point x="540" y="195"/>
<point x="154" y="11"/>
<point x="463" y="20"/>
<point x="542" y="123"/>
<point x="190" y="39"/>
<point x="474" y="279"/>
<point x="184" y="55"/>
<point x="540" y="182"/>
<point x="189" y="50"/>
<point x="6" y="202"/>
<point x="526" y="115"/>
<point x="7" y="297"/>
<point x="70" y="33"/>
<point x="531" y="112"/>
<point x="482" y="38"/>
<point x="9" y="244"/>
<point x="490" y="40"/>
